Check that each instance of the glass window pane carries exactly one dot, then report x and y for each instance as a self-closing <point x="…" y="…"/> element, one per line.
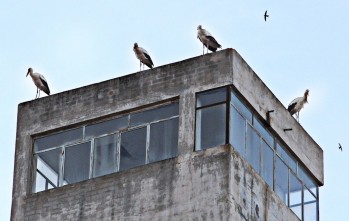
<point x="241" y="107"/>
<point x="263" y="132"/>
<point x="252" y="148"/>
<point x="296" y="195"/>
<point x="106" y="127"/>
<point x="237" y="131"/>
<point x="287" y="157"/>
<point x="308" y="181"/>
<point x="133" y="148"/>
<point x="152" y="115"/>
<point x="310" y="206"/>
<point x="211" y="97"/>
<point x="40" y="183"/>
<point x="104" y="158"/>
<point x="48" y="164"/>
<point x="163" y="140"/>
<point x="267" y="164"/>
<point x="58" y="139"/>
<point x="77" y="163"/>
<point x="281" y="180"/>
<point x="210" y="127"/>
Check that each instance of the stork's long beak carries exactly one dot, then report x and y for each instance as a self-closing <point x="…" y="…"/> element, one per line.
<point x="27" y="74"/>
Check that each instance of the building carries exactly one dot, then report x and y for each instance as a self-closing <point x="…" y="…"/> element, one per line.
<point x="199" y="139"/>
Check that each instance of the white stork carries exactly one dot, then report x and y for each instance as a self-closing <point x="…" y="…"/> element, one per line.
<point x="143" y="56"/>
<point x="207" y="40"/>
<point x="39" y="81"/>
<point x="297" y="104"/>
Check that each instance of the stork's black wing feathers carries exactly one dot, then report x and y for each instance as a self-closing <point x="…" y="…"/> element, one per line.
<point x="149" y="58"/>
<point x="214" y="40"/>
<point x="46" y="89"/>
<point x="291" y="106"/>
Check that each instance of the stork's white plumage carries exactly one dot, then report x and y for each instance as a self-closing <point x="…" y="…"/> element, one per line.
<point x="39" y="81"/>
<point x="143" y="56"/>
<point x="207" y="40"/>
<point x="297" y="104"/>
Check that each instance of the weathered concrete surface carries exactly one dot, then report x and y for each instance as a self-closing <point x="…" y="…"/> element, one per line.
<point x="112" y="98"/>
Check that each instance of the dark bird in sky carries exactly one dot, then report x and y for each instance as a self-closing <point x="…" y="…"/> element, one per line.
<point x="39" y="81"/>
<point x="266" y="15"/>
<point x="297" y="104"/>
<point x="340" y="147"/>
<point x="143" y="56"/>
<point x="207" y="40"/>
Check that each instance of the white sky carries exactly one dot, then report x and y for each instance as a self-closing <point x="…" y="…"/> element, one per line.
<point x="304" y="44"/>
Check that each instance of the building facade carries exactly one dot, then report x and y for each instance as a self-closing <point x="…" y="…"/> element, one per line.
<point x="200" y="139"/>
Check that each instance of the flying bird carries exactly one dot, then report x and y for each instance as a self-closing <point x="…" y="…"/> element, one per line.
<point x="143" y="56"/>
<point x="39" y="81"/>
<point x="207" y="40"/>
<point x="340" y="147"/>
<point x="297" y="104"/>
<point x="266" y="15"/>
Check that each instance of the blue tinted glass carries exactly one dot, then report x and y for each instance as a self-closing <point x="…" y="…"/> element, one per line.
<point x="286" y="157"/>
<point x="211" y="97"/>
<point x="307" y="180"/>
<point x="156" y="114"/>
<point x="58" y="139"/>
<point x="263" y="132"/>
<point x="252" y="148"/>
<point x="106" y="127"/>
<point x="281" y="180"/>
<point x="295" y="195"/>
<point x="310" y="206"/>
<point x="237" y="131"/>
<point x="241" y="107"/>
<point x="267" y="164"/>
<point x="210" y="126"/>
<point x="104" y="159"/>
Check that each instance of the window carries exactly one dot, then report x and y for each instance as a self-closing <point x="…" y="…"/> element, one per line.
<point x="106" y="147"/>
<point x="252" y="139"/>
<point x="211" y="118"/>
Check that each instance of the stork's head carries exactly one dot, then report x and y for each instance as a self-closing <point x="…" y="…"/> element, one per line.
<point x="199" y="27"/>
<point x="135" y="45"/>
<point x="306" y="94"/>
<point x="30" y="70"/>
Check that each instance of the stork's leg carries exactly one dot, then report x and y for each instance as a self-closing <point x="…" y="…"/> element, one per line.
<point x="39" y="93"/>
<point x="140" y="65"/>
<point x="203" y="48"/>
<point x="36" y="95"/>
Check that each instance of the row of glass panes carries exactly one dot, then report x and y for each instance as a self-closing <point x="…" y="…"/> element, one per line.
<point x="256" y="144"/>
<point x="107" y="147"/>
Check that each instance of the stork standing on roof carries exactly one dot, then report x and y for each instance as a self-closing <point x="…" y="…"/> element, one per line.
<point x="143" y="56"/>
<point x="207" y="40"/>
<point x="39" y="81"/>
<point x="297" y="104"/>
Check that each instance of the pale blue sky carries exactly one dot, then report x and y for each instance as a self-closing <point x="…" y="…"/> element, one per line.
<point x="303" y="45"/>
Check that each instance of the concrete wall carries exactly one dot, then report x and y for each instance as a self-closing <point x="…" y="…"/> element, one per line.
<point x="111" y="98"/>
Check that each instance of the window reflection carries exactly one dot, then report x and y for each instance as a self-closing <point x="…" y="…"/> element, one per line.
<point x="106" y="127"/>
<point x="241" y="107"/>
<point x="77" y="162"/>
<point x="210" y="126"/>
<point x="263" y="132"/>
<point x="281" y="180"/>
<point x="163" y="140"/>
<point x="237" y="131"/>
<point x="286" y="157"/>
<point x="267" y="164"/>
<point x="295" y="195"/>
<point x="104" y="161"/>
<point x="252" y="148"/>
<point x="211" y="97"/>
<point x="48" y="167"/>
<point x="310" y="206"/>
<point x="133" y="148"/>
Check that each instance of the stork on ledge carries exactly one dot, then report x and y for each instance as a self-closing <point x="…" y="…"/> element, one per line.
<point x="39" y="81"/>
<point x="297" y="104"/>
<point x="207" y="40"/>
<point x="143" y="57"/>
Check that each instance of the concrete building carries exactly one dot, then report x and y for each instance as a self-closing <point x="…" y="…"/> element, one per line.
<point x="199" y="139"/>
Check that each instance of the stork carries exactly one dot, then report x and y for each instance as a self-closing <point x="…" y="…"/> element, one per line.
<point x="207" y="40"/>
<point x="39" y="81"/>
<point x="297" y="104"/>
<point x="143" y="56"/>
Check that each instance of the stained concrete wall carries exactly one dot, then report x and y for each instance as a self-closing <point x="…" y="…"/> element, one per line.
<point x="182" y="80"/>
